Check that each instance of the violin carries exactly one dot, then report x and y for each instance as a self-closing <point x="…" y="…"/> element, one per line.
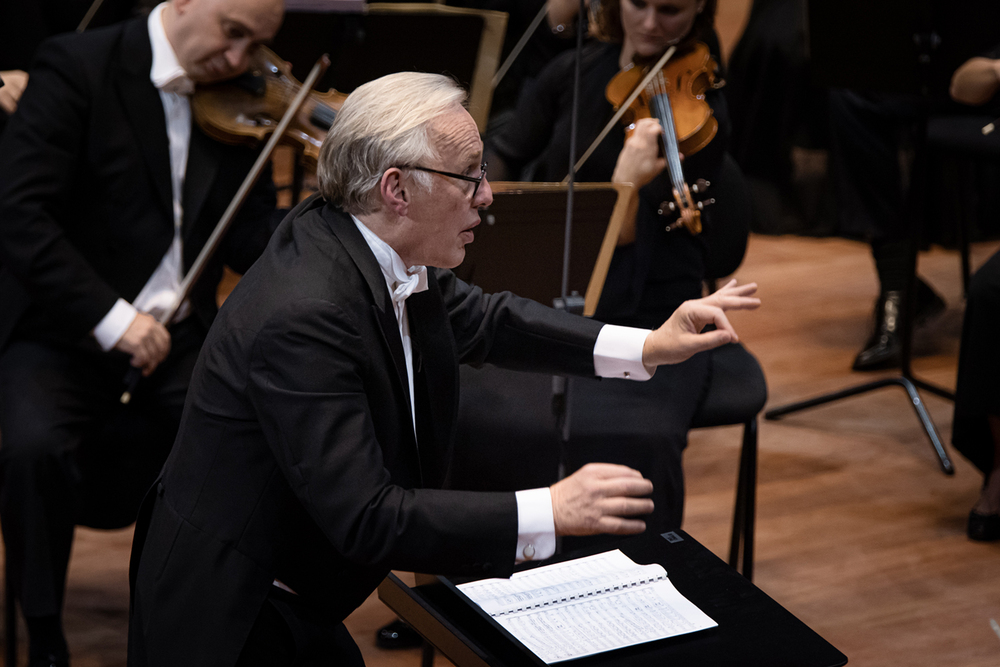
<point x="676" y="97"/>
<point x="247" y="109"/>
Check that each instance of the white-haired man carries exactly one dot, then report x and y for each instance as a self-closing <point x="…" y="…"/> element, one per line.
<point x="321" y="411"/>
<point x="107" y="194"/>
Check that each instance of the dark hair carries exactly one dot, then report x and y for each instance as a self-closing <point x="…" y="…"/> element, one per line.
<point x="606" y="23"/>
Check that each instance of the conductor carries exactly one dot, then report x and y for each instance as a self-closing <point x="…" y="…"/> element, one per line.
<point x="318" y="424"/>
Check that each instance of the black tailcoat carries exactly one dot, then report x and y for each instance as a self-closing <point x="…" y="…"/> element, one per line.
<point x="297" y="458"/>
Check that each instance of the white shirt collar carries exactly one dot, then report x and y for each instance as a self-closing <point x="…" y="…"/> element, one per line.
<point x="166" y="72"/>
<point x="402" y="281"/>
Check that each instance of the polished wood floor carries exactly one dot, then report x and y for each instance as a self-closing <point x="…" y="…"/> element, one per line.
<point x="859" y="533"/>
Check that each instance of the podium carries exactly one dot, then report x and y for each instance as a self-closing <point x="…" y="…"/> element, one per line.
<point x="753" y="630"/>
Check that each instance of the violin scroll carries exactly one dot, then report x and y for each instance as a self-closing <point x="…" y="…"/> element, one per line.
<point x="696" y="194"/>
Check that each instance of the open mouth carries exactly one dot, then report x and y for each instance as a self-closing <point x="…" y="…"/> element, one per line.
<point x="467" y="234"/>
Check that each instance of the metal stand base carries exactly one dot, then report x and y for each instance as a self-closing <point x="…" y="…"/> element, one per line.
<point x="907" y="383"/>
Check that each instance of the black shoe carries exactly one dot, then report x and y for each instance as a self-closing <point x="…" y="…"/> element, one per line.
<point x="884" y="349"/>
<point x="983" y="527"/>
<point x="398" y="635"/>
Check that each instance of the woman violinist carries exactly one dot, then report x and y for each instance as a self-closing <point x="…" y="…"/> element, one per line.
<point x="653" y="273"/>
<point x="650" y="277"/>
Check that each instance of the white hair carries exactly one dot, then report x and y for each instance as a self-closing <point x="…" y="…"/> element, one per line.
<point x="382" y="124"/>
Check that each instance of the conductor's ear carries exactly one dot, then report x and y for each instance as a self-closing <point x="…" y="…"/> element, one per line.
<point x="395" y="191"/>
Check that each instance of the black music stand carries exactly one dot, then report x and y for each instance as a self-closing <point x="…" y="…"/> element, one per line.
<point x="909" y="47"/>
<point x="753" y="630"/>
<point x="521" y="237"/>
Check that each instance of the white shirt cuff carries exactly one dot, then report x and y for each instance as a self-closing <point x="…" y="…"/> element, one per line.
<point x="536" y="528"/>
<point x="618" y="353"/>
<point x="114" y="325"/>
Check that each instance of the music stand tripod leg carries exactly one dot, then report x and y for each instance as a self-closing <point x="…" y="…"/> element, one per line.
<point x="901" y="381"/>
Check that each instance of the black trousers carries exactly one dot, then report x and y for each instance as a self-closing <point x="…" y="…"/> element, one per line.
<point x="977" y="388"/>
<point x="72" y="454"/>
<point x="289" y="633"/>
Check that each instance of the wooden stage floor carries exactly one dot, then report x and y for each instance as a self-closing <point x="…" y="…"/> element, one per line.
<point x="858" y="531"/>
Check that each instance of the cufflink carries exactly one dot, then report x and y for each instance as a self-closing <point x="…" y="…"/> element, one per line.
<point x="528" y="552"/>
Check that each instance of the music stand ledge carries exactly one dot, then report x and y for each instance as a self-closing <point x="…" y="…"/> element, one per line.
<point x="753" y="631"/>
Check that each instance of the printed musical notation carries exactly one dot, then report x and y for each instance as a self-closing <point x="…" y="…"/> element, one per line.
<point x="588" y="605"/>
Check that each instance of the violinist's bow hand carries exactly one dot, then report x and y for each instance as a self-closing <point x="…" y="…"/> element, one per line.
<point x="681" y="336"/>
<point x="640" y="161"/>
<point x="146" y="341"/>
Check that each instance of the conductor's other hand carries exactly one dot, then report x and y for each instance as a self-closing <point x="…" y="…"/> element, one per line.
<point x="598" y="498"/>
<point x="147" y="341"/>
<point x="640" y="161"/>
<point x="680" y="336"/>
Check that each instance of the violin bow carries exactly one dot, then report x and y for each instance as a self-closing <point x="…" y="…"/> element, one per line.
<point x="89" y="16"/>
<point x="622" y="109"/>
<point x="213" y="242"/>
<point x="521" y="43"/>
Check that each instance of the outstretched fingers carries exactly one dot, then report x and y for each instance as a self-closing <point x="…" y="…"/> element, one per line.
<point x="735" y="297"/>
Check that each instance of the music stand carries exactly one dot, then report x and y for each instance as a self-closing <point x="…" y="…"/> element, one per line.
<point x="396" y="37"/>
<point x="522" y="231"/>
<point x="897" y="46"/>
<point x="753" y="630"/>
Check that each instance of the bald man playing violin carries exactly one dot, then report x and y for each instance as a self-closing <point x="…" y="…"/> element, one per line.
<point x="107" y="193"/>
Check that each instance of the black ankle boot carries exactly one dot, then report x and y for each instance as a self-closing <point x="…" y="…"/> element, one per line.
<point x="884" y="348"/>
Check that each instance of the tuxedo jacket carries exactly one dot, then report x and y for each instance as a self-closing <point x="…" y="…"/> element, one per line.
<point x="297" y="458"/>
<point x="86" y="212"/>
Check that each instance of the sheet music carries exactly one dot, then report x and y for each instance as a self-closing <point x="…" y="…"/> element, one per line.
<point x="588" y="605"/>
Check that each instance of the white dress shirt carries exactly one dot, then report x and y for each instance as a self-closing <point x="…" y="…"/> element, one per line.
<point x="162" y="288"/>
<point x="617" y="353"/>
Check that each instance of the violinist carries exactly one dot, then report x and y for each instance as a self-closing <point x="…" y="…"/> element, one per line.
<point x="653" y="273"/>
<point x="107" y="193"/>
<point x="976" y="425"/>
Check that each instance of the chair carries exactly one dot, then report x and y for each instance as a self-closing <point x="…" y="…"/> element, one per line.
<point x="113" y="486"/>
<point x="737" y="395"/>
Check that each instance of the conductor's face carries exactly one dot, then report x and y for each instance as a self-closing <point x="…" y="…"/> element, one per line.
<point x="215" y="39"/>
<point x="444" y="215"/>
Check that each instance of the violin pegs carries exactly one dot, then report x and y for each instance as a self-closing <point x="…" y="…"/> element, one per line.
<point x="665" y="207"/>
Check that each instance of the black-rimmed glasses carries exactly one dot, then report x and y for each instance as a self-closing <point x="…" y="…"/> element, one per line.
<point x="471" y="179"/>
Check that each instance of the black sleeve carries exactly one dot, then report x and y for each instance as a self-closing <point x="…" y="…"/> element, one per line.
<point x="40" y="154"/>
<point x="516" y="333"/>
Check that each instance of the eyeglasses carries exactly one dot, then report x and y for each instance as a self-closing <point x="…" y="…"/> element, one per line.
<point x="471" y="179"/>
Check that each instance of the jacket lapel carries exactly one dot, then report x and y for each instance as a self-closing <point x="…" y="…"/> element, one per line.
<point x="346" y="231"/>
<point x="144" y="109"/>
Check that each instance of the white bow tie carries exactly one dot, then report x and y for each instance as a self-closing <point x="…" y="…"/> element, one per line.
<point x="415" y="282"/>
